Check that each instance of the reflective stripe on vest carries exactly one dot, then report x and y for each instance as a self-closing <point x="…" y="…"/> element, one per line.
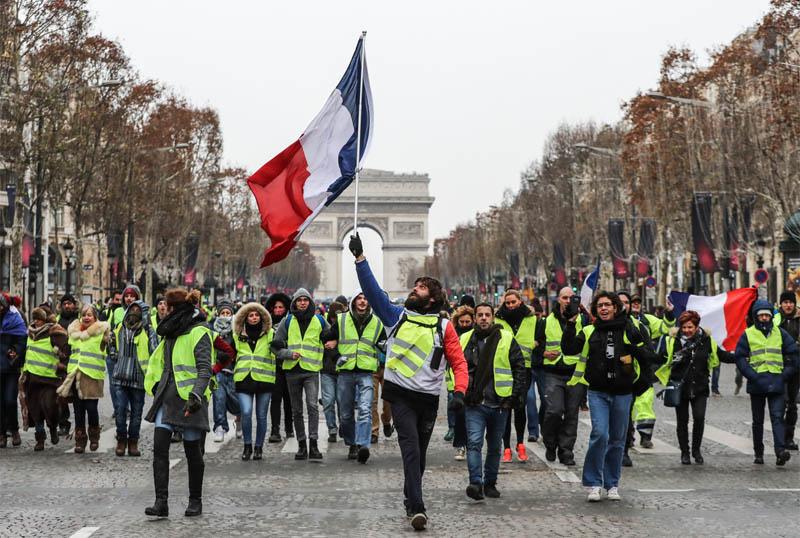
<point x="411" y="347"/>
<point x="87" y="356"/>
<point x="358" y="352"/>
<point x="578" y="376"/>
<point x="766" y="352"/>
<point x="503" y="378"/>
<point x="308" y="345"/>
<point x="525" y="335"/>
<point x="40" y="358"/>
<point x="552" y="337"/>
<point x="141" y="343"/>
<point x="183" y="363"/>
<point x="258" y="363"/>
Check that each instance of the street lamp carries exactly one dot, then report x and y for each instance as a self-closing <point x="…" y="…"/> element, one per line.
<point x="68" y="263"/>
<point x="760" y="245"/>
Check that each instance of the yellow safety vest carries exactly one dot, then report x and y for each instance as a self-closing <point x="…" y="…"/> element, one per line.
<point x="184" y="364"/>
<point x="552" y="340"/>
<point x="355" y="351"/>
<point x="40" y="358"/>
<point x="87" y="356"/>
<point x="580" y="368"/>
<point x="766" y="352"/>
<point x="525" y="335"/>
<point x="309" y="345"/>
<point x="258" y="363"/>
<point x="503" y="378"/>
<point x="412" y="345"/>
<point x="141" y="342"/>
<point x="664" y="372"/>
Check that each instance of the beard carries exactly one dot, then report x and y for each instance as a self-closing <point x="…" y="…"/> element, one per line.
<point x="416" y="303"/>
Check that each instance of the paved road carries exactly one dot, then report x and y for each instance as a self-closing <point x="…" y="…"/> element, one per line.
<point x="54" y="493"/>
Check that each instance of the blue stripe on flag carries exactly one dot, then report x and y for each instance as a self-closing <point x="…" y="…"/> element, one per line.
<point x="679" y="300"/>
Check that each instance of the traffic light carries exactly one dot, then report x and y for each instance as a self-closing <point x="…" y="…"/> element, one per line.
<point x="34" y="264"/>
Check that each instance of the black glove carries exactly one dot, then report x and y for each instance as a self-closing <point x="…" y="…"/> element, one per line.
<point x="571" y="311"/>
<point x="192" y="405"/>
<point x="355" y="245"/>
<point x="457" y="403"/>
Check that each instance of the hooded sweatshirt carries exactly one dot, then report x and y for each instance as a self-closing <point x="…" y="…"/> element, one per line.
<point x="360" y="321"/>
<point x="127" y="370"/>
<point x="280" y="341"/>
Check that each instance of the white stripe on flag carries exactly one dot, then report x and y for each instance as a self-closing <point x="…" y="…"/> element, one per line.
<point x="712" y="314"/>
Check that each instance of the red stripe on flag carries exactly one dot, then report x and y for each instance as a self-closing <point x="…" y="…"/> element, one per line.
<point x="278" y="188"/>
<point x="737" y="305"/>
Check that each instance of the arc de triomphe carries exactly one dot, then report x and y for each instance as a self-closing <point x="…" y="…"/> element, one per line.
<point x="396" y="206"/>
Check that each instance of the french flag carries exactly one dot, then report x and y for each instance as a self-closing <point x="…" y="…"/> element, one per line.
<point x="298" y="183"/>
<point x="724" y="315"/>
<point x="589" y="287"/>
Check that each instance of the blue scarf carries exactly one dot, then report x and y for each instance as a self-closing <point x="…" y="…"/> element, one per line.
<point x="13" y="324"/>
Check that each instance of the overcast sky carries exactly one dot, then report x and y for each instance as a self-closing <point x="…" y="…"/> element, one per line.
<point x="465" y="91"/>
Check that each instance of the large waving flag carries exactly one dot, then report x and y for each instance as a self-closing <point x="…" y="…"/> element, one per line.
<point x="312" y="172"/>
<point x="724" y="315"/>
<point x="590" y="284"/>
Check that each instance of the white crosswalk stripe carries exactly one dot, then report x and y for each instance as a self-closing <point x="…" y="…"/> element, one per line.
<point x="108" y="439"/>
<point x="212" y="447"/>
<point x="290" y="446"/>
<point x="561" y="471"/>
<point x="735" y="442"/>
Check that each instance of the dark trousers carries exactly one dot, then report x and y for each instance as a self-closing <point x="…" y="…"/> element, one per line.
<point x="9" y="390"/>
<point x="520" y="412"/>
<point x="698" y="405"/>
<point x="84" y="408"/>
<point x="776" y="407"/>
<point x="414" y="427"/>
<point x="562" y="405"/>
<point x="460" y="429"/>
<point x="280" y="395"/>
<point x="790" y="415"/>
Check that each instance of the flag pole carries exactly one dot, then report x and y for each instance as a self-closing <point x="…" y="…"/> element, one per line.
<point x="358" y="129"/>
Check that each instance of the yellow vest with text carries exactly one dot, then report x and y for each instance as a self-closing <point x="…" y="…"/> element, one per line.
<point x="184" y="364"/>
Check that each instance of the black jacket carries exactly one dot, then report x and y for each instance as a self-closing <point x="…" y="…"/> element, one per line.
<point x="693" y="370"/>
<point x="479" y="354"/>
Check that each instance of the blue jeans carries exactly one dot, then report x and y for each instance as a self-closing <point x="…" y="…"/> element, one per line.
<point x="610" y="415"/>
<point x="715" y="380"/>
<point x="262" y="406"/>
<point x="225" y="400"/>
<point x="189" y="434"/>
<point x="329" y="397"/>
<point x="112" y="388"/>
<point x="489" y="422"/>
<point x="355" y="390"/>
<point x="531" y="405"/>
<point x="133" y="399"/>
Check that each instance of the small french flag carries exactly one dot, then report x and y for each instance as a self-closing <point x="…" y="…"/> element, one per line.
<point x="723" y="315"/>
<point x="589" y="287"/>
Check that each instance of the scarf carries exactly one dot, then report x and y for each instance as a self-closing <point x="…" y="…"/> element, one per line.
<point x="253" y="331"/>
<point x="179" y="321"/>
<point x="37" y="333"/>
<point x="223" y="325"/>
<point x="513" y="317"/>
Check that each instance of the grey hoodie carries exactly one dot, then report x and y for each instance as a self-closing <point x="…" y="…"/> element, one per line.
<point x="281" y="338"/>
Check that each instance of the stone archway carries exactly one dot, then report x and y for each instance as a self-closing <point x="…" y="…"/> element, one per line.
<point x="396" y="206"/>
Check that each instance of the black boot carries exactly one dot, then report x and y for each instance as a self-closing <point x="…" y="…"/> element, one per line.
<point x="275" y="436"/>
<point x="352" y="452"/>
<point x="698" y="457"/>
<point x="161" y="439"/>
<point x="257" y="453"/>
<point x="626" y="459"/>
<point x="248" y="450"/>
<point x="302" y="451"/>
<point x="196" y="467"/>
<point x="685" y="459"/>
<point x="313" y="451"/>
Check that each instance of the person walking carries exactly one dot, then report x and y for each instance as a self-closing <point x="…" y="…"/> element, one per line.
<point x="329" y="378"/>
<point x="612" y="359"/>
<point x="788" y="319"/>
<point x="534" y="407"/>
<point x="133" y="342"/>
<point x="254" y="374"/>
<point x="418" y="339"/>
<point x="768" y="357"/>
<point x="13" y="335"/>
<point x="464" y="321"/>
<point x="86" y="371"/>
<point x="177" y="377"/>
<point x="497" y="379"/>
<point x="360" y="338"/>
<point x="690" y="356"/>
<point x="224" y="395"/>
<point x="46" y="356"/>
<point x="68" y="313"/>
<point x="299" y="342"/>
<point x="514" y="316"/>
<point x="278" y="306"/>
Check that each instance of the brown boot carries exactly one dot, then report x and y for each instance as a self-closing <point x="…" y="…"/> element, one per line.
<point x="15" y="438"/>
<point x="94" y="438"/>
<point x="40" y="437"/>
<point x="121" y="443"/>
<point x="133" y="448"/>
<point x="80" y="440"/>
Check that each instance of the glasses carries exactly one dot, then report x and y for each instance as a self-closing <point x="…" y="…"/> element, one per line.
<point x="604" y="305"/>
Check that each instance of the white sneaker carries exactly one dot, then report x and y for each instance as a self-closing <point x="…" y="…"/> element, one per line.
<point x="613" y="494"/>
<point x="595" y="495"/>
<point x="461" y="454"/>
<point x="219" y="434"/>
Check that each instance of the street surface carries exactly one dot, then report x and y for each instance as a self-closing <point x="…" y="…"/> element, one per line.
<point x="55" y="493"/>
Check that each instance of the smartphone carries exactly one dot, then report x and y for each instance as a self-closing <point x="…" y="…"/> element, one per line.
<point x="575" y="303"/>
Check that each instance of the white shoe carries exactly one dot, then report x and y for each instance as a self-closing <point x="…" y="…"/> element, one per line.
<point x="219" y="434"/>
<point x="613" y="494"/>
<point x="595" y="495"/>
<point x="461" y="454"/>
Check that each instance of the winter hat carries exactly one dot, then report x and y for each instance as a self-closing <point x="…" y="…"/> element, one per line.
<point x="342" y="299"/>
<point x="225" y="303"/>
<point x="40" y="314"/>
<point x="131" y="288"/>
<point x="788" y="296"/>
<point x="176" y="296"/>
<point x="467" y="300"/>
<point x="67" y="297"/>
<point x="761" y="307"/>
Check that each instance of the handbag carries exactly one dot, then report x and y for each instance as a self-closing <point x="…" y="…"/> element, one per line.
<point x="672" y="393"/>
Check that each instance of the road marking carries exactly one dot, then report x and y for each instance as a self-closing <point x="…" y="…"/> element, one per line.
<point x="174" y="462"/>
<point x="212" y="447"/>
<point x="561" y="471"/>
<point x="738" y="443"/>
<point x="773" y="489"/>
<point x="108" y="440"/>
<point x="659" y="446"/>
<point x="290" y="446"/>
<point x="664" y="490"/>
<point x="767" y="425"/>
<point x="85" y="532"/>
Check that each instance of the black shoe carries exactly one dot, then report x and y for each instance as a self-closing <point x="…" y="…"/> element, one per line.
<point x="569" y="461"/>
<point x="388" y="430"/>
<point x="409" y="512"/>
<point x="790" y="445"/>
<point x="759" y="460"/>
<point x="258" y="453"/>
<point x="475" y="491"/>
<point x="532" y="439"/>
<point x="247" y="452"/>
<point x="626" y="460"/>
<point x="332" y="438"/>
<point x="159" y="509"/>
<point x="54" y="436"/>
<point x="313" y="451"/>
<point x="782" y="458"/>
<point x="63" y="429"/>
<point x="698" y="457"/>
<point x="550" y="454"/>
<point x="195" y="508"/>
<point x="352" y="453"/>
<point x="685" y="459"/>
<point x="289" y="435"/>
<point x="374" y="439"/>
<point x="275" y="437"/>
<point x="363" y="454"/>
<point x="419" y="521"/>
<point x="490" y="490"/>
<point x="302" y="451"/>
